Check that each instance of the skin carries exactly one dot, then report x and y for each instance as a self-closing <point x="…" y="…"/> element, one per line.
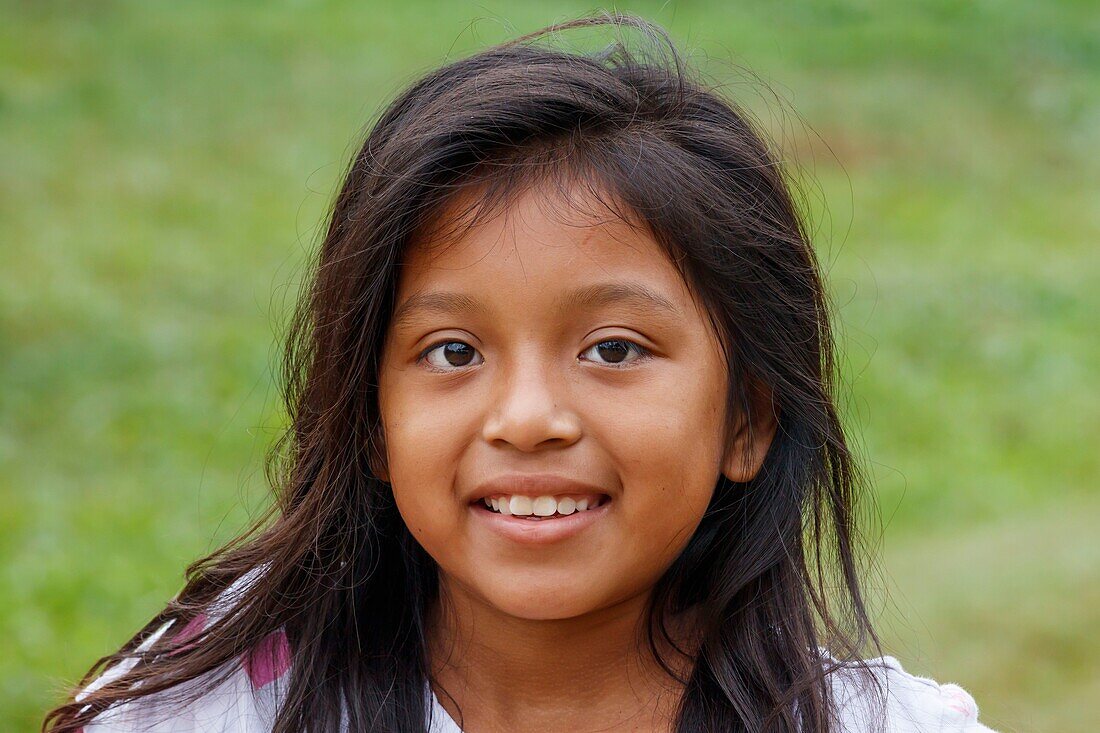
<point x="546" y="638"/>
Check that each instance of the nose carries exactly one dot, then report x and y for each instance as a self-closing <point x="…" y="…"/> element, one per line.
<point x="531" y="409"/>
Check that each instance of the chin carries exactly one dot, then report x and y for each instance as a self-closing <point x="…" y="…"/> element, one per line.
<point x="555" y="609"/>
<point x="548" y="600"/>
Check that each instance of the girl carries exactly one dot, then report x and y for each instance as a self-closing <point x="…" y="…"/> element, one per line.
<point x="563" y="450"/>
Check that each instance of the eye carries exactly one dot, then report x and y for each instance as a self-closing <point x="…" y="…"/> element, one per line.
<point x="616" y="351"/>
<point x="450" y="354"/>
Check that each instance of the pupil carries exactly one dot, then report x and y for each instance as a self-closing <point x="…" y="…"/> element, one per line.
<point x="455" y="348"/>
<point x="619" y="348"/>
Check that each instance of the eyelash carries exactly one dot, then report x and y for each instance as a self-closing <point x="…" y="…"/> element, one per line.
<point x="642" y="352"/>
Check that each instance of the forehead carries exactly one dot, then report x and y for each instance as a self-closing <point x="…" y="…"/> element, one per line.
<point x="543" y="242"/>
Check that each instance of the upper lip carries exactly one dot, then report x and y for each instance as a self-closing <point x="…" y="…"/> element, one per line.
<point x="533" y="485"/>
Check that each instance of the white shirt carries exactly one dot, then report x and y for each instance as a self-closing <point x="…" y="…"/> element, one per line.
<point x="913" y="704"/>
<point x="245" y="701"/>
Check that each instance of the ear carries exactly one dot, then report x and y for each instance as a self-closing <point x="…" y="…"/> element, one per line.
<point x="752" y="435"/>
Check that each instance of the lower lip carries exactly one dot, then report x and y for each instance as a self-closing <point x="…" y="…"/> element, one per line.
<point x="538" y="531"/>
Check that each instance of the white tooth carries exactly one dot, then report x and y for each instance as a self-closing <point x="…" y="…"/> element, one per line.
<point x="521" y="505"/>
<point x="487" y="502"/>
<point x="582" y="505"/>
<point x="568" y="505"/>
<point x="493" y="503"/>
<point x="545" y="506"/>
<point x="502" y="505"/>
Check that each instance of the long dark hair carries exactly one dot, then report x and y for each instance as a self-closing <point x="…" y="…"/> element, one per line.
<point x="772" y="568"/>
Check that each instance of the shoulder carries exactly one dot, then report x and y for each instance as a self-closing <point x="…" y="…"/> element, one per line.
<point x="240" y="697"/>
<point x="880" y="695"/>
<point x="215" y="703"/>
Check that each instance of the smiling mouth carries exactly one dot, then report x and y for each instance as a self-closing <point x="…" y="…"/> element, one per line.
<point x="540" y="508"/>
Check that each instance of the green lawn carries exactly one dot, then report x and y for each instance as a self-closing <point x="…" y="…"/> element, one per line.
<point x="166" y="167"/>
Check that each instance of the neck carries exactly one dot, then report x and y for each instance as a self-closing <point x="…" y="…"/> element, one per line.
<point x="591" y="672"/>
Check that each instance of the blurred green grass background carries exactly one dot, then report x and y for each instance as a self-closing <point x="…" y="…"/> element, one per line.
<point x="166" y="166"/>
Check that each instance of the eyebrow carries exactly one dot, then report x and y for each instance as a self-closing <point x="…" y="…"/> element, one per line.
<point x="632" y="294"/>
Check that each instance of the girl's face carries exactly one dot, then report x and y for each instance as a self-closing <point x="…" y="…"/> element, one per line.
<point x="546" y="365"/>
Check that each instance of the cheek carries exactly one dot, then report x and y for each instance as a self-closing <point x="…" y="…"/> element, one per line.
<point x="670" y="465"/>
<point x="673" y="436"/>
<point x="420" y="434"/>
<point x="422" y="450"/>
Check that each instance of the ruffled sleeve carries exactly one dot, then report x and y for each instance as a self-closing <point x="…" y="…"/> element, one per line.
<point x="906" y="704"/>
<point x="242" y="697"/>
